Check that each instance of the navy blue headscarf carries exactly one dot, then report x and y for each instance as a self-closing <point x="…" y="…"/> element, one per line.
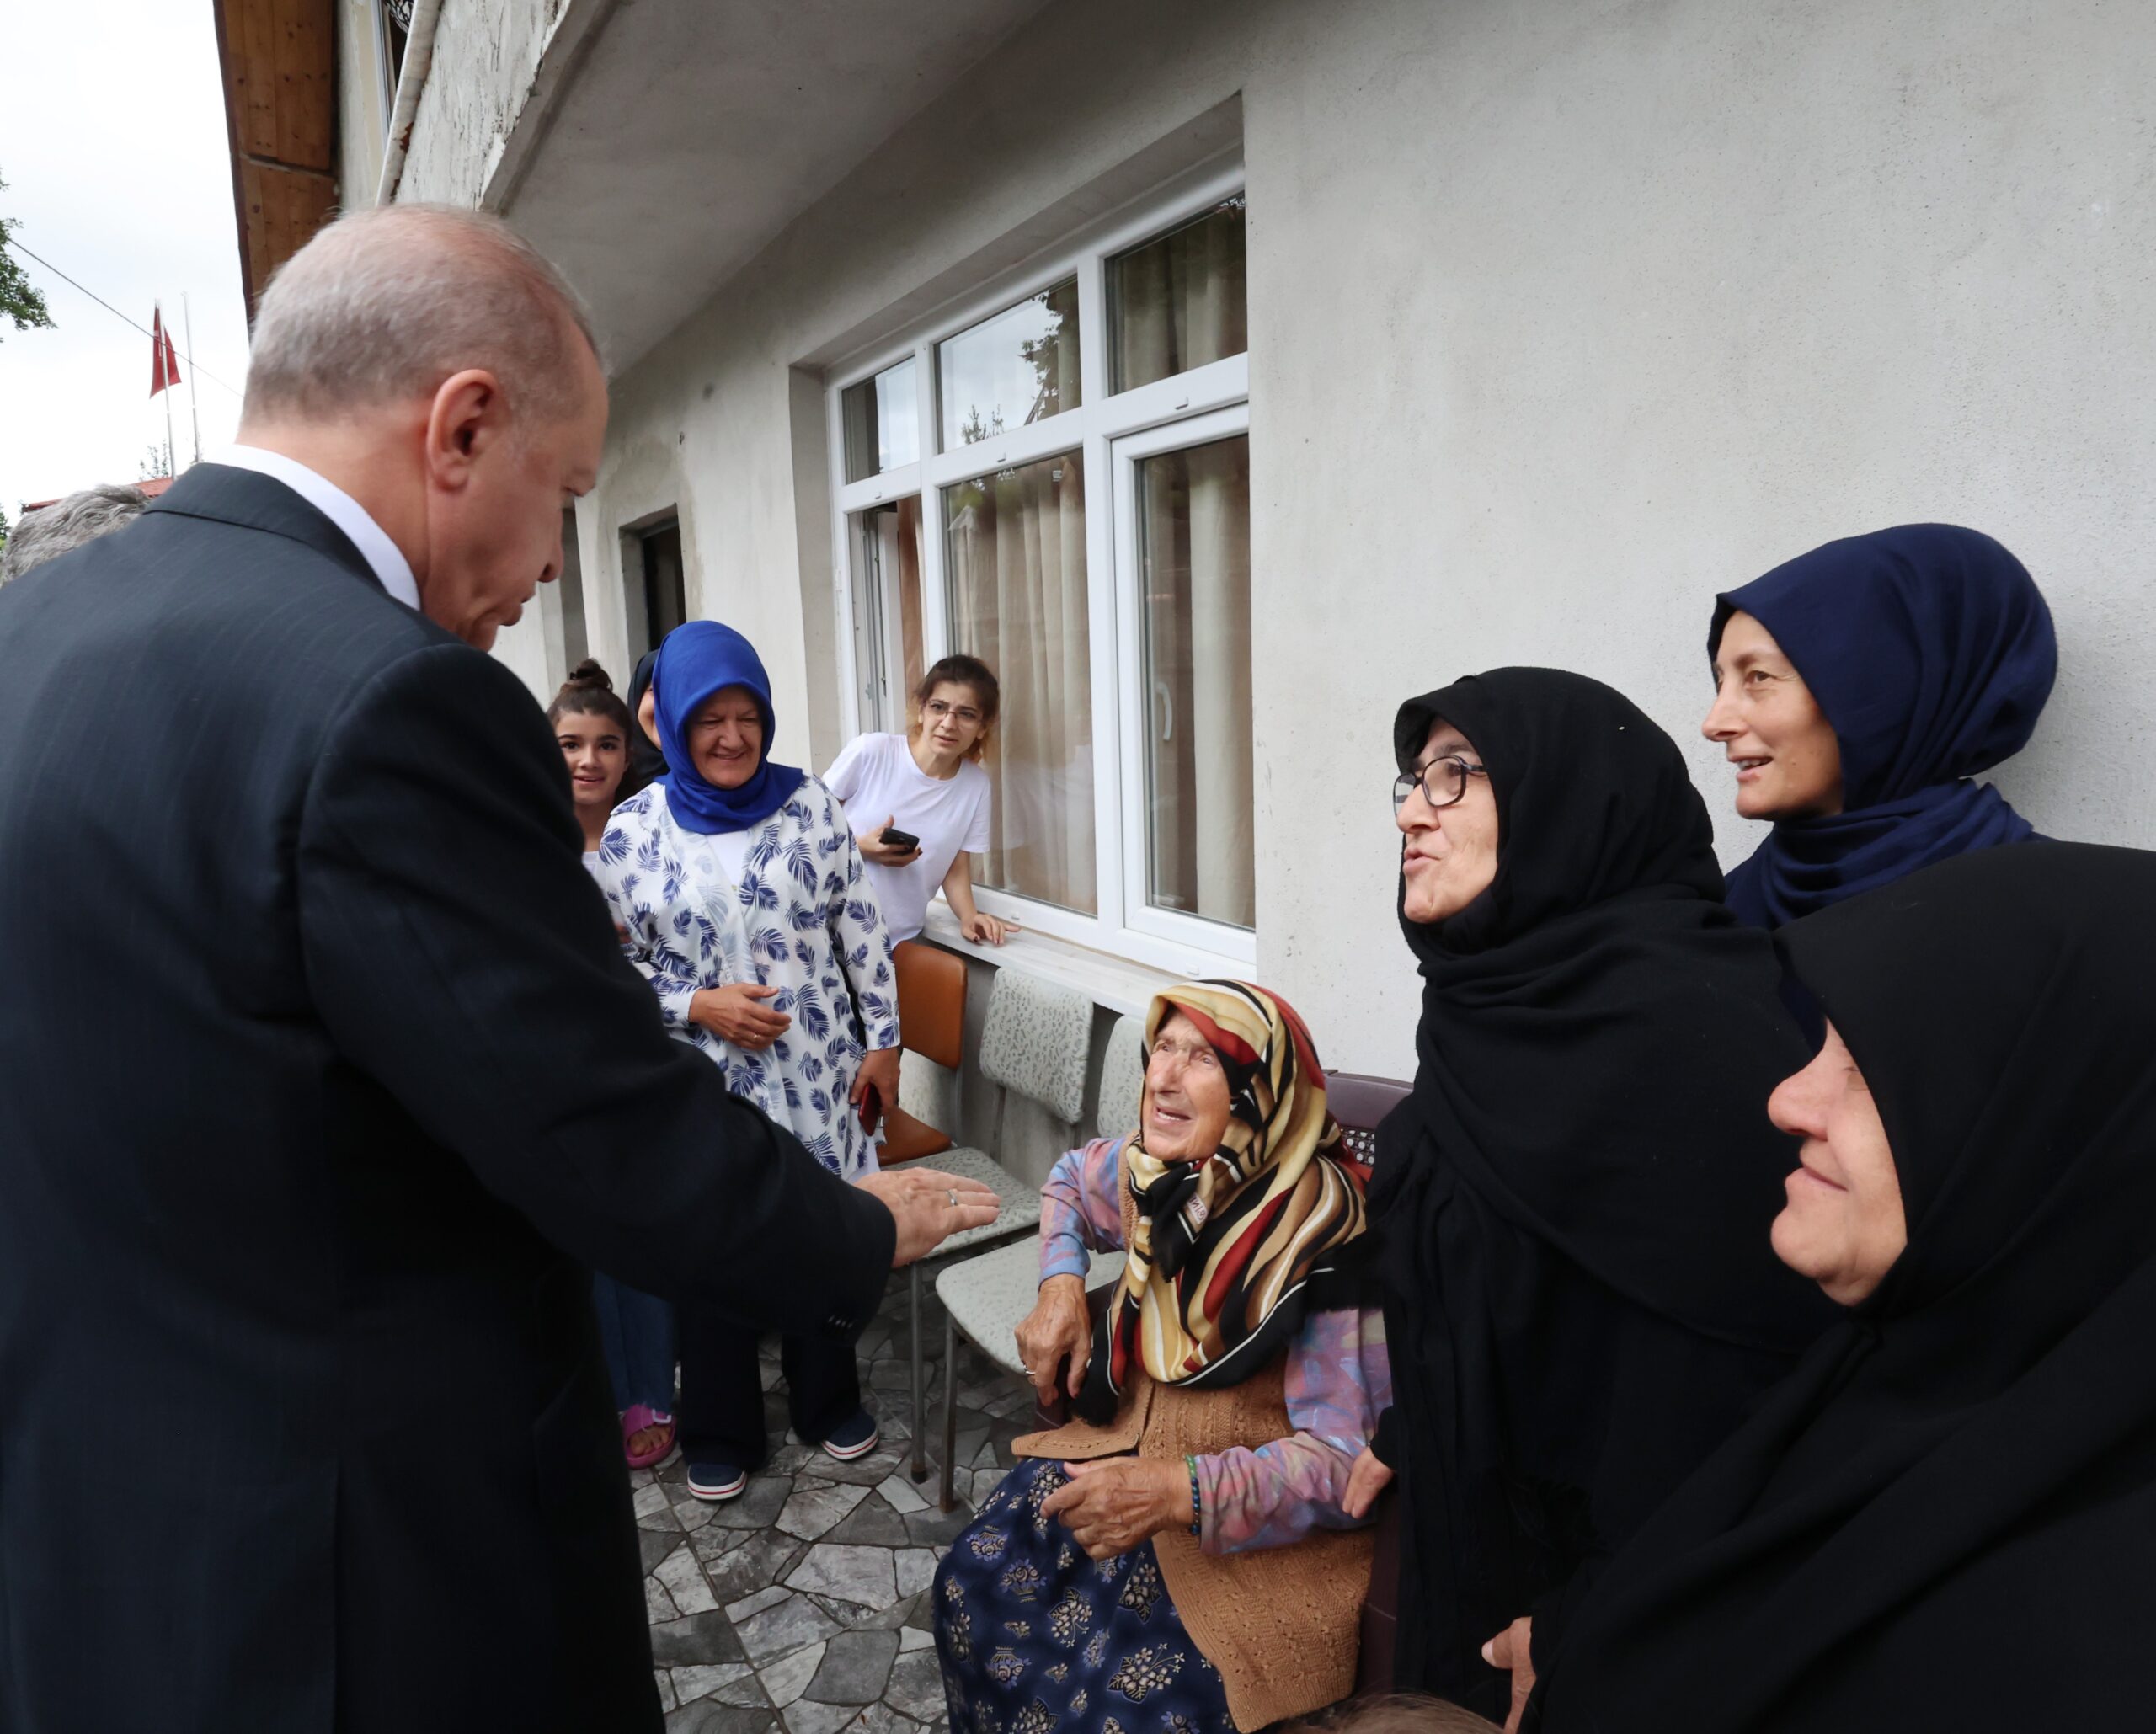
<point x="695" y="662"/>
<point x="1930" y="651"/>
<point x="646" y="764"/>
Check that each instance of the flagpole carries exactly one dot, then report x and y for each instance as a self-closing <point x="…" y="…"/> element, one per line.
<point x="194" y="406"/>
<point x="158" y="320"/>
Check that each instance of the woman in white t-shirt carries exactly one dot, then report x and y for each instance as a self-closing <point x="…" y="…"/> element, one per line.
<point x="929" y="784"/>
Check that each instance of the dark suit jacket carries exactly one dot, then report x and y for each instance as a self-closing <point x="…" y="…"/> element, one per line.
<point x="322" y="1080"/>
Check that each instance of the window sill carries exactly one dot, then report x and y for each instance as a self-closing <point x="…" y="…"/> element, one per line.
<point x="1116" y="983"/>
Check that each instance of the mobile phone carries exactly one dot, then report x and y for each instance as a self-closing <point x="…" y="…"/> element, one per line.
<point x="898" y="839"/>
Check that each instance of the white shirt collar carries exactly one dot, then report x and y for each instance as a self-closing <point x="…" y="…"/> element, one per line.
<point x="339" y="508"/>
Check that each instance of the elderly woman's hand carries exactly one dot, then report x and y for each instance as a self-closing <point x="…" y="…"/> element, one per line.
<point x="1058" y="1326"/>
<point x="735" y="1013"/>
<point x="1111" y="1506"/>
<point x="878" y="1076"/>
<point x="1369" y="1477"/>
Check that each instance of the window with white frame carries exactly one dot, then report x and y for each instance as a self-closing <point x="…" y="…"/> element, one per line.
<point x="1056" y="479"/>
<point x="392" y="24"/>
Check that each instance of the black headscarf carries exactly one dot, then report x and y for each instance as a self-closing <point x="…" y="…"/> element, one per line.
<point x="647" y="763"/>
<point x="1946" y="1517"/>
<point x="1573" y="1206"/>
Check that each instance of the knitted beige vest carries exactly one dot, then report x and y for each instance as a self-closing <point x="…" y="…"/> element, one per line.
<point x="1282" y="1624"/>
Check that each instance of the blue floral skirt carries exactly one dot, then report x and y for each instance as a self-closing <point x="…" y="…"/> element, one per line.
<point x="1035" y="1636"/>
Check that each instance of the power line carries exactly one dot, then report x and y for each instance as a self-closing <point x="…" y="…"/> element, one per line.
<point x="12" y="242"/>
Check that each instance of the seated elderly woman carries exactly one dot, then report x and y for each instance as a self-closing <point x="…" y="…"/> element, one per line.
<point x="1943" y="1517"/>
<point x="1178" y="1559"/>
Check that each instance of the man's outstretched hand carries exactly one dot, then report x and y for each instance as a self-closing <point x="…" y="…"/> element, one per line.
<point x="928" y="1205"/>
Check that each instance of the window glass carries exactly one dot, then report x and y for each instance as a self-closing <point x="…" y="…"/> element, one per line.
<point x="1015" y="554"/>
<point x="1176" y="303"/>
<point x="887" y="610"/>
<point x="1194" y="571"/>
<point x="396" y="26"/>
<point x="882" y="422"/>
<point x="1019" y="366"/>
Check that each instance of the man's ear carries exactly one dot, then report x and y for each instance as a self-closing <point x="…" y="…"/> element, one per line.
<point x="468" y="416"/>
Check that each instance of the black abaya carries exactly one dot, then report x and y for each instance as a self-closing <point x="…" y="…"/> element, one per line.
<point x="1574" y="1205"/>
<point x="1945" y="1518"/>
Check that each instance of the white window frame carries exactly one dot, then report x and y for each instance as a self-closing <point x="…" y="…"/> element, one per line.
<point x="1111" y="433"/>
<point x="385" y="74"/>
<point x="1237" y="944"/>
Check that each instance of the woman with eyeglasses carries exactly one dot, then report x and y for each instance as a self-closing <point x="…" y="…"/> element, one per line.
<point x="1572" y="1207"/>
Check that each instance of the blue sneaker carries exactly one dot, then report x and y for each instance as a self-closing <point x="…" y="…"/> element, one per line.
<point x="855" y="1437"/>
<point x="714" y="1481"/>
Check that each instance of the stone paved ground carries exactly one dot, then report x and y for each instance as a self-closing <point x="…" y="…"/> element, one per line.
<point x="801" y="1607"/>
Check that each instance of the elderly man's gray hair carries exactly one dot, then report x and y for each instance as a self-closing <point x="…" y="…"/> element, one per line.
<point x="385" y="304"/>
<point x="67" y="523"/>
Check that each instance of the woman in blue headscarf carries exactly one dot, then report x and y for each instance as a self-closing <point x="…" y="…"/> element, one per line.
<point x="741" y="893"/>
<point x="1858" y="689"/>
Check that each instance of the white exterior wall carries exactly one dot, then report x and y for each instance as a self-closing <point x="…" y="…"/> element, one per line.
<point x="1562" y="318"/>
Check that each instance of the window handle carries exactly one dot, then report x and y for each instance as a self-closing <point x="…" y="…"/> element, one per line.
<point x="1167" y="704"/>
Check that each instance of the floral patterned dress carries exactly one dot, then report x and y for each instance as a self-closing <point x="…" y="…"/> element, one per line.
<point x="1032" y="1634"/>
<point x="800" y="918"/>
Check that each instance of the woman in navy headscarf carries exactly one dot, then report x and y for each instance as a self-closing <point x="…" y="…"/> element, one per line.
<point x="738" y="884"/>
<point x="1858" y="689"/>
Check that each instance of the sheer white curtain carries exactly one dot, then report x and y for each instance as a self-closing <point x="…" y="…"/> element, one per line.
<point x="1179" y="301"/>
<point x="1016" y="544"/>
<point x="1195" y="534"/>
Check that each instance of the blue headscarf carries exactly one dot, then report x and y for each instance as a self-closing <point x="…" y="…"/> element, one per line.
<point x="696" y="660"/>
<point x="1931" y="650"/>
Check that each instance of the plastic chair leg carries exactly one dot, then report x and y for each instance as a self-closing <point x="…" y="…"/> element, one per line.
<point x="919" y="1396"/>
<point x="950" y="1413"/>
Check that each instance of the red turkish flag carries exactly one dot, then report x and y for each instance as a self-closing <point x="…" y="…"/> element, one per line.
<point x="165" y="359"/>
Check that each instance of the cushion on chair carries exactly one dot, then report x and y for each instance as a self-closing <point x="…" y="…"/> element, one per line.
<point x="988" y="1297"/>
<point x="908" y="1139"/>
<point x="1359" y="1101"/>
<point x="1037" y="1040"/>
<point x="1123" y="1078"/>
<point x="1022" y="1203"/>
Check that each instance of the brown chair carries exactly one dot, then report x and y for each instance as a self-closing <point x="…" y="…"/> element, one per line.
<point x="931" y="1023"/>
<point x="1359" y="1101"/>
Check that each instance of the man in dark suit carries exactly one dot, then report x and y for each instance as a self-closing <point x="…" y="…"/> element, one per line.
<point x="322" y="1079"/>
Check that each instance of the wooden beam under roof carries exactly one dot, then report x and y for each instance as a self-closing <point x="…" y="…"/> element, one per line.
<point x="279" y="59"/>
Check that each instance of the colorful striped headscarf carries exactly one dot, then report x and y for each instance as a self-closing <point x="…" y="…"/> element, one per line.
<point x="1225" y="1253"/>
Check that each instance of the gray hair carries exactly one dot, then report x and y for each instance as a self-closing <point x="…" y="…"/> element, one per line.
<point x="67" y="523"/>
<point x="385" y="304"/>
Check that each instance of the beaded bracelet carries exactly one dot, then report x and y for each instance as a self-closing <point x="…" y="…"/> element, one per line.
<point x="1196" y="1510"/>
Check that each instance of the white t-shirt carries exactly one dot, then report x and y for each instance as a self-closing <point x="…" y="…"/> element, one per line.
<point x="875" y="778"/>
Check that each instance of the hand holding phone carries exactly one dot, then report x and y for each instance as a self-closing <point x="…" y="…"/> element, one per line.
<point x="887" y="846"/>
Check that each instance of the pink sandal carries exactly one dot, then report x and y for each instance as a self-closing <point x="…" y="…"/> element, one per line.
<point x="634" y="1420"/>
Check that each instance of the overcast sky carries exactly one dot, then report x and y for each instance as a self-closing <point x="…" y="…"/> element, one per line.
<point x="112" y="143"/>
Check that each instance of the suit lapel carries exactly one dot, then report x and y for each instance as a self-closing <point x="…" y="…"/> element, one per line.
<point x="254" y="501"/>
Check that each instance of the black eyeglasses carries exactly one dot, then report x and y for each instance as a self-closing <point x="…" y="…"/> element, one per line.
<point x="1442" y="782"/>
